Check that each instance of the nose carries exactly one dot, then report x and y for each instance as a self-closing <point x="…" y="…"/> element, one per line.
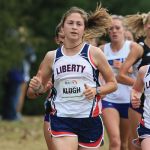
<point x="114" y="29"/>
<point x="74" y="26"/>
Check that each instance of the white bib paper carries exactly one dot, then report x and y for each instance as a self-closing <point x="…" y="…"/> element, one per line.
<point x="72" y="89"/>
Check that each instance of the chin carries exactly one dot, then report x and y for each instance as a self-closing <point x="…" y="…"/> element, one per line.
<point x="74" y="38"/>
<point x="115" y="39"/>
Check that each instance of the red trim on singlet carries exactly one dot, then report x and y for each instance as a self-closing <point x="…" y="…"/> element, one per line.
<point x="142" y="121"/>
<point x="96" y="110"/>
<point x="91" y="60"/>
<point x="53" y="111"/>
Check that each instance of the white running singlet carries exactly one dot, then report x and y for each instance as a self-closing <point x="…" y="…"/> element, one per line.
<point x="122" y="94"/>
<point x="70" y="75"/>
<point x="146" y="108"/>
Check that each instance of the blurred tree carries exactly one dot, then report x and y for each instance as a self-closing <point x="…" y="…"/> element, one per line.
<point x="40" y="17"/>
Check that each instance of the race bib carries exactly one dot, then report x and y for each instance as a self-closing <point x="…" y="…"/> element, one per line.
<point x="72" y="89"/>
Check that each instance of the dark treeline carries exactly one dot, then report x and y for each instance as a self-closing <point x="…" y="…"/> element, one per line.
<point x="33" y="22"/>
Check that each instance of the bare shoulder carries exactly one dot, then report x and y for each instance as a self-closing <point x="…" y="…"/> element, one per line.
<point x="101" y="47"/>
<point x="96" y="51"/>
<point x="50" y="56"/>
<point x="48" y="59"/>
<point x="143" y="69"/>
<point x="96" y="54"/>
<point x="137" y="48"/>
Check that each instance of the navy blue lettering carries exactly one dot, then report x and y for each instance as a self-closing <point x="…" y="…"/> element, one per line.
<point x="70" y="68"/>
<point x="73" y="67"/>
<point x="71" y="90"/>
<point x="63" y="68"/>
<point x="148" y="84"/>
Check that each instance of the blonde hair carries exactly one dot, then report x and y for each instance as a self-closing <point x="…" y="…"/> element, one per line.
<point x="83" y="14"/>
<point x="120" y="18"/>
<point x="136" y="23"/>
<point x="96" y="23"/>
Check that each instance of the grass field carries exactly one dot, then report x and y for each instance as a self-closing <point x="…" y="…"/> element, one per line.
<point x="25" y="135"/>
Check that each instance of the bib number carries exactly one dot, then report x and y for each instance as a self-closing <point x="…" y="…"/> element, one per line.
<point x="72" y="88"/>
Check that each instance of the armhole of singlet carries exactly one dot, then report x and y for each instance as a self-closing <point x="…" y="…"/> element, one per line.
<point x="147" y="71"/>
<point x="90" y="58"/>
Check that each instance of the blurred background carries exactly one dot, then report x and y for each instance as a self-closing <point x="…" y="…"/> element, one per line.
<point x="27" y="29"/>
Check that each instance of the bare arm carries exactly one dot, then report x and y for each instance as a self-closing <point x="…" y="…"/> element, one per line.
<point x="135" y="53"/>
<point x="106" y="72"/>
<point x="101" y="47"/>
<point x="40" y="83"/>
<point x="138" y="87"/>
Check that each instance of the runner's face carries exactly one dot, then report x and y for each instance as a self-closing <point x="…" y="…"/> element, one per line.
<point x="74" y="27"/>
<point x="116" y="31"/>
<point x="129" y="36"/>
<point x="61" y="37"/>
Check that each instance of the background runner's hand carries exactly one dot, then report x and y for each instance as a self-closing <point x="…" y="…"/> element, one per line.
<point x="117" y="64"/>
<point x="89" y="92"/>
<point x="135" y="98"/>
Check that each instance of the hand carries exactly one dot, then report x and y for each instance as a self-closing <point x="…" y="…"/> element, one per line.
<point x="117" y="64"/>
<point x="36" y="85"/>
<point x="135" y="98"/>
<point x="49" y="85"/>
<point x="89" y="92"/>
<point x="130" y="70"/>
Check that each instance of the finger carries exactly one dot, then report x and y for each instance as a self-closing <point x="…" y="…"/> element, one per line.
<point x="37" y="79"/>
<point x="48" y="86"/>
<point x="89" y="97"/>
<point x="50" y="83"/>
<point x="34" y="80"/>
<point x="86" y="86"/>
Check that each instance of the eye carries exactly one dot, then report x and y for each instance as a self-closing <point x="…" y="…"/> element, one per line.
<point x="117" y="28"/>
<point x="111" y="28"/>
<point x="79" y="24"/>
<point x="70" y="22"/>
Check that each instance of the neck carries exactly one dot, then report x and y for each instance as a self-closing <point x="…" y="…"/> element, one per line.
<point x="147" y="42"/>
<point x="116" y="46"/>
<point x="73" y="45"/>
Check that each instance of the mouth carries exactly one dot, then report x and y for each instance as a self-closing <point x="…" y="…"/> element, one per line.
<point x="114" y="36"/>
<point x="74" y="33"/>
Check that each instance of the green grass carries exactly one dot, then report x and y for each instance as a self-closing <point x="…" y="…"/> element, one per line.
<point x="25" y="135"/>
